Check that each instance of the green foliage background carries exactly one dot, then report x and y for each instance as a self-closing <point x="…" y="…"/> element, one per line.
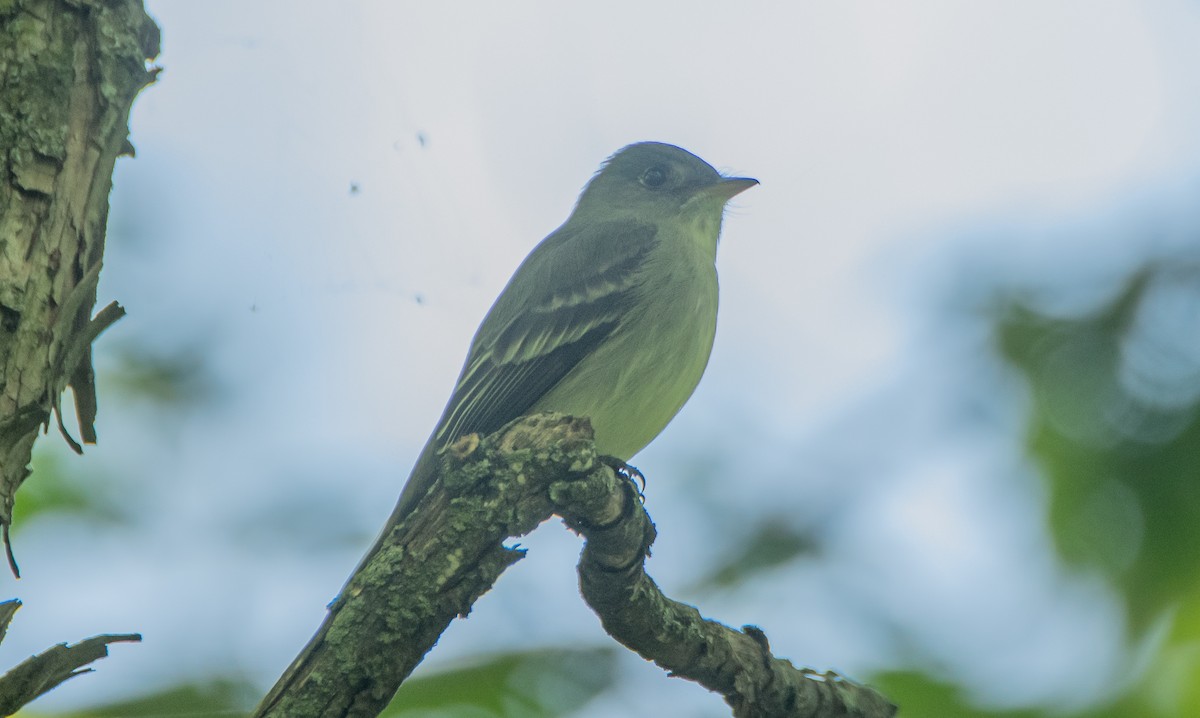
<point x="1114" y="429"/>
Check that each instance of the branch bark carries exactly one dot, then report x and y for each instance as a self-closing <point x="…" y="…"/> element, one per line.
<point x="450" y="551"/>
<point x="39" y="674"/>
<point x="69" y="70"/>
<point x="736" y="664"/>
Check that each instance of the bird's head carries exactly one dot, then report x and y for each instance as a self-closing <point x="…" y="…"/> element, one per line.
<point x="656" y="181"/>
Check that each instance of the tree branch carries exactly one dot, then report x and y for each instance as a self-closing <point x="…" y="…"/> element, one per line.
<point x="39" y="674"/>
<point x="431" y="568"/>
<point x="736" y="664"/>
<point x="449" y="551"/>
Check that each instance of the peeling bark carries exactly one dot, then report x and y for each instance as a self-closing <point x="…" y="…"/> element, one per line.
<point x="69" y="71"/>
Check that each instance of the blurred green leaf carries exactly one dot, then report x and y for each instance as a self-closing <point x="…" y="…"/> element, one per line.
<point x="1116" y="431"/>
<point x="1123" y="470"/>
<point x="217" y="699"/>
<point x="55" y="490"/>
<point x="529" y="684"/>
<point x="775" y="542"/>
<point x="176" y="379"/>
<point x="922" y="697"/>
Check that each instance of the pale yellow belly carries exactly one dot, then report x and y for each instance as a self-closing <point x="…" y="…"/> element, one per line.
<point x="636" y="382"/>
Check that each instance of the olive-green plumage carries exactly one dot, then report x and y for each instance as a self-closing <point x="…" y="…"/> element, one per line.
<point x="610" y="317"/>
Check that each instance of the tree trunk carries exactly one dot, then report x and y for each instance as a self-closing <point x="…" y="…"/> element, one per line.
<point x="69" y="70"/>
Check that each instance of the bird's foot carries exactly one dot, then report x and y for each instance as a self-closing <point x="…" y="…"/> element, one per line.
<point x="628" y="472"/>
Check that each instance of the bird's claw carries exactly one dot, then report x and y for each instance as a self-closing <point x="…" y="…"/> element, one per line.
<point x="630" y="473"/>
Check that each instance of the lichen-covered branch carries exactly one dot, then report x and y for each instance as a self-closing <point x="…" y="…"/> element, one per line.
<point x="736" y="664"/>
<point x="449" y="551"/>
<point x="38" y="674"/>
<point x="432" y="567"/>
<point x="69" y="71"/>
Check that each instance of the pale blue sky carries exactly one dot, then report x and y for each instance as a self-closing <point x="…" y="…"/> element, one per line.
<point x="909" y="154"/>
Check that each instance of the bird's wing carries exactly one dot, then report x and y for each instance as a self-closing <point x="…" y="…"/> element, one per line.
<point x="583" y="284"/>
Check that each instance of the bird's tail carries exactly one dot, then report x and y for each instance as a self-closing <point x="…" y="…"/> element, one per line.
<point x="419" y="482"/>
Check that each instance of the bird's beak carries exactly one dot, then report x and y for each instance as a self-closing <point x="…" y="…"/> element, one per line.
<point x="727" y="187"/>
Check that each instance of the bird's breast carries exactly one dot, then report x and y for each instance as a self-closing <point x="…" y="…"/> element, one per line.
<point x="634" y="384"/>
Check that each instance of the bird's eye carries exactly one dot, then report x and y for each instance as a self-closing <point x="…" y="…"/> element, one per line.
<point x="654" y="177"/>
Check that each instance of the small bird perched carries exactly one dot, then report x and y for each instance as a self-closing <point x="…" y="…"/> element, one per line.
<point x="610" y="317"/>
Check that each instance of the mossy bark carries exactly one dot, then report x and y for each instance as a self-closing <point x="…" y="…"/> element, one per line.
<point x="450" y="550"/>
<point x="69" y="71"/>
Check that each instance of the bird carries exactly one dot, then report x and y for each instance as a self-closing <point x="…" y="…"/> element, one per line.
<point x="611" y="317"/>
